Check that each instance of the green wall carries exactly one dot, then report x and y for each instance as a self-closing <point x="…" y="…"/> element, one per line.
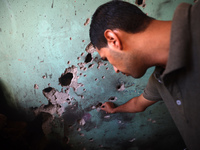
<point x="39" y="40"/>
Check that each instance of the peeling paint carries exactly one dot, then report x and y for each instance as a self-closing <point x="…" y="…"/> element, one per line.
<point x="81" y="65"/>
<point x="81" y="122"/>
<point x="36" y="86"/>
<point x="87" y="21"/>
<point x="107" y="116"/>
<point x="56" y="100"/>
<point x="100" y="63"/>
<point x="90" y="48"/>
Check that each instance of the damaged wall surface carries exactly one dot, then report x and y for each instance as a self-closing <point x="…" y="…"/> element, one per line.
<point x="49" y="70"/>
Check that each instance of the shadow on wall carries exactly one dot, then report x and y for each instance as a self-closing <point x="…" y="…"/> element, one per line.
<point x="18" y="133"/>
<point x="6" y="106"/>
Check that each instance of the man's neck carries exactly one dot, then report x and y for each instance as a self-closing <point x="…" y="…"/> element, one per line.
<point x="157" y="43"/>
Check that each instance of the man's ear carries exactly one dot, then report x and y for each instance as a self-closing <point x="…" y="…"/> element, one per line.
<point x="112" y="39"/>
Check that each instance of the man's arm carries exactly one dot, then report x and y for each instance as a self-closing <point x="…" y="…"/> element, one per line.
<point x="136" y="104"/>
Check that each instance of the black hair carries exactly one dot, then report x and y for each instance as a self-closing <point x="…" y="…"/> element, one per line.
<point x="116" y="15"/>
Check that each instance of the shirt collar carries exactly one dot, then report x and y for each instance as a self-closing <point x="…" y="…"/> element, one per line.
<point x="180" y="40"/>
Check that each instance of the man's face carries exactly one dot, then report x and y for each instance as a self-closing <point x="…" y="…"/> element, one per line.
<point x="123" y="62"/>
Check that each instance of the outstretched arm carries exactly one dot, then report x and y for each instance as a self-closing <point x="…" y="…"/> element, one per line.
<point x="136" y="104"/>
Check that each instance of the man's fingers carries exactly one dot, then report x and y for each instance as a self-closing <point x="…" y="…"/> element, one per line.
<point x="102" y="107"/>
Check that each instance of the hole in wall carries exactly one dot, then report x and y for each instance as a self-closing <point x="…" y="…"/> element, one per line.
<point x="139" y="2"/>
<point x="65" y="80"/>
<point x="119" y="86"/>
<point x="112" y="99"/>
<point x="91" y="65"/>
<point x="88" y="58"/>
<point x="47" y="90"/>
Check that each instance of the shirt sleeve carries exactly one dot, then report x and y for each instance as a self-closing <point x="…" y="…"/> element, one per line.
<point x="151" y="92"/>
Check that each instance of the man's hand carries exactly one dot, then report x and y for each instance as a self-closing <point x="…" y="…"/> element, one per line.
<point x="108" y="107"/>
<point x="136" y="104"/>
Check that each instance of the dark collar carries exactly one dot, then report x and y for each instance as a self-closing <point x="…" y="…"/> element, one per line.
<point x="180" y="40"/>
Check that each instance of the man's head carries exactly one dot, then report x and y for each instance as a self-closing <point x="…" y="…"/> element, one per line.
<point x="116" y="15"/>
<point x="111" y="33"/>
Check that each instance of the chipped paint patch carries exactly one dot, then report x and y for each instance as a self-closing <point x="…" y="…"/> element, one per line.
<point x="36" y="86"/>
<point x="56" y="100"/>
<point x="87" y="22"/>
<point x="121" y="87"/>
<point x="112" y="99"/>
<point x="90" y="48"/>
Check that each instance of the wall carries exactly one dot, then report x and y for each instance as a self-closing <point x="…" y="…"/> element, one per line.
<point x="44" y="71"/>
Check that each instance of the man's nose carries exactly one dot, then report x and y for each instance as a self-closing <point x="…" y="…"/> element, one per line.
<point x="116" y="70"/>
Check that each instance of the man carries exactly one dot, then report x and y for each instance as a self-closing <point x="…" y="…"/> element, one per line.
<point x="132" y="42"/>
